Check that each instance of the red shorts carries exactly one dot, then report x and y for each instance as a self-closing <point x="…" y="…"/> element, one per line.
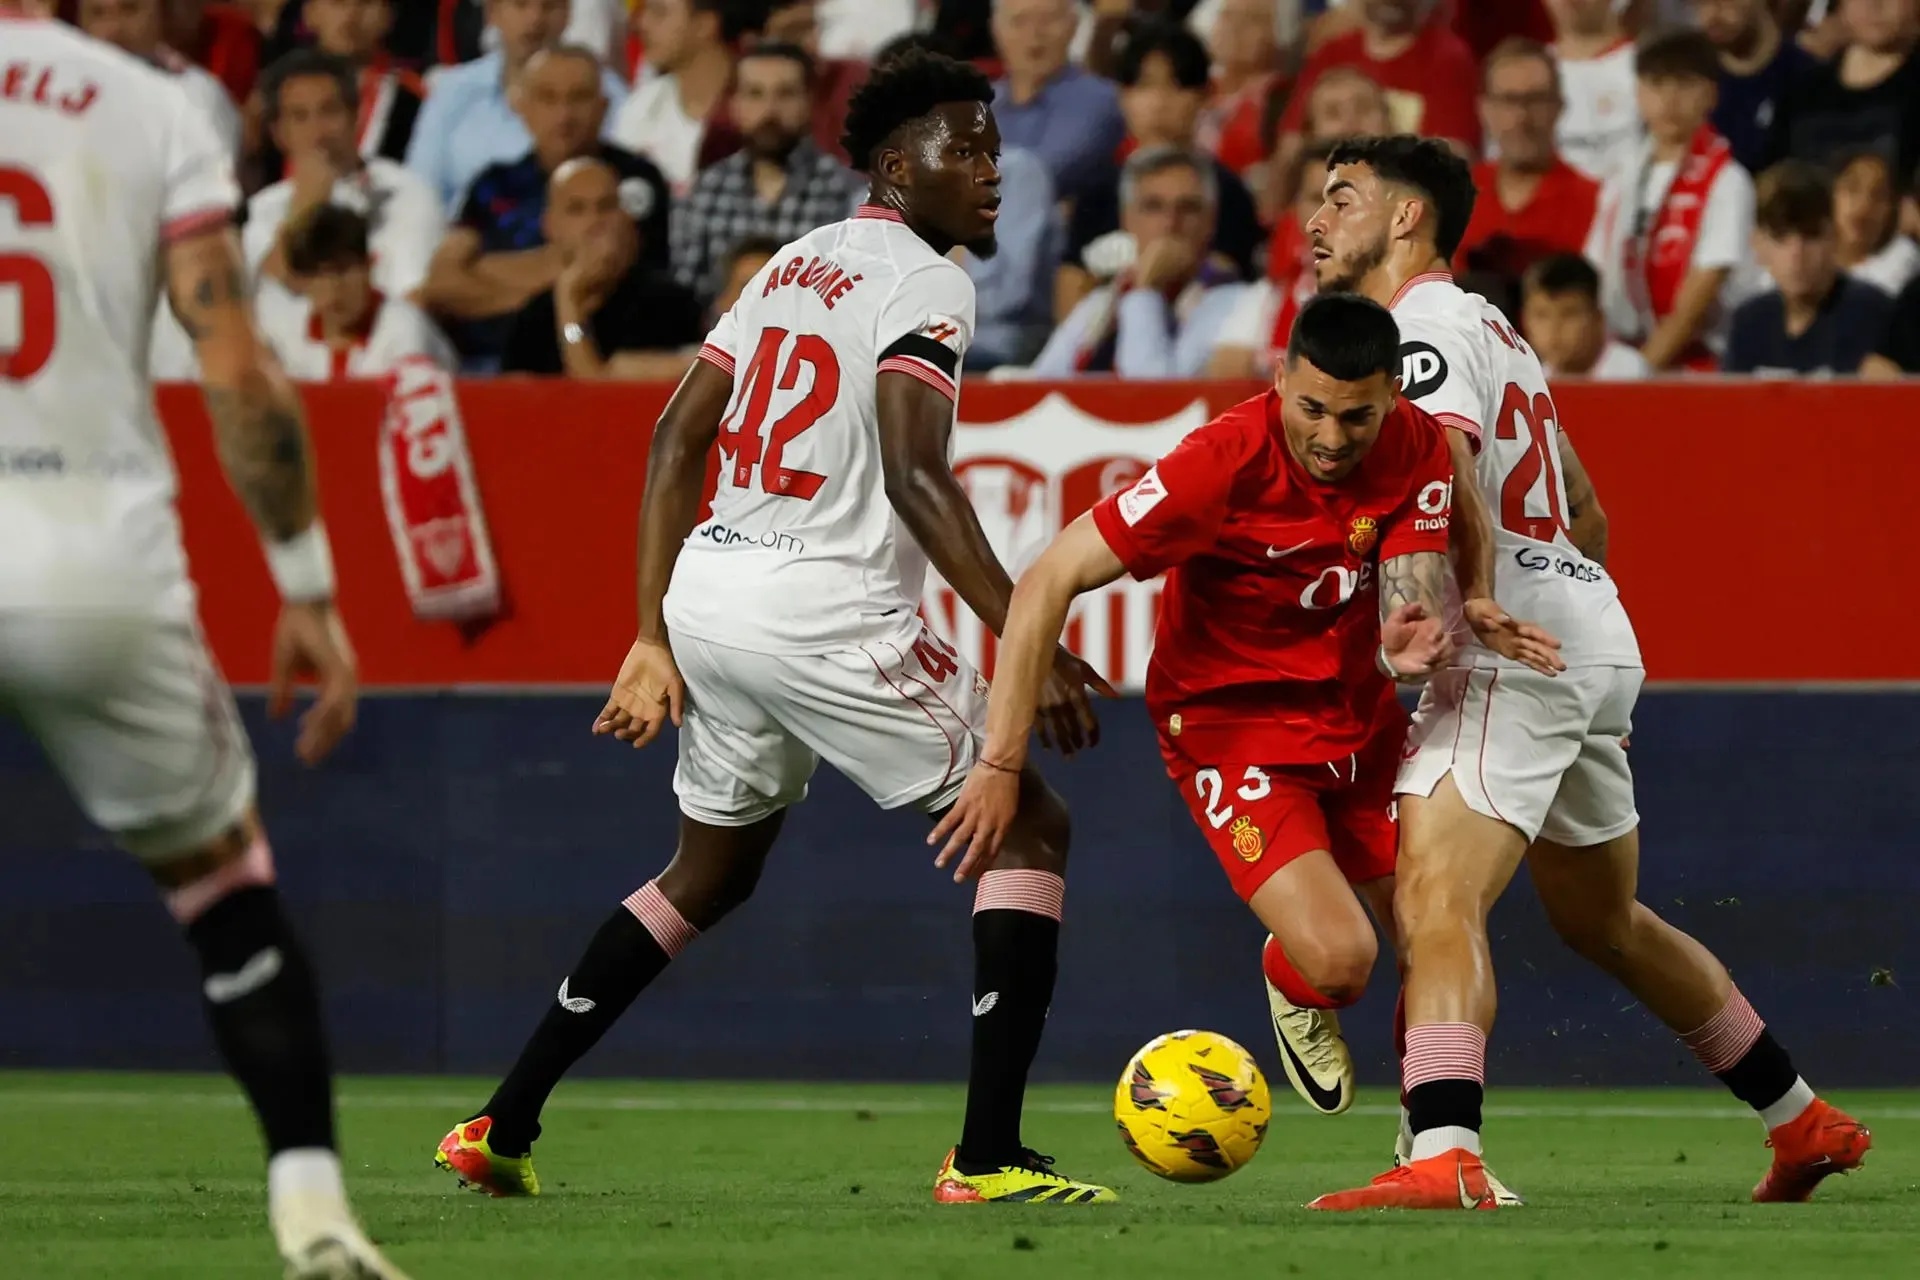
<point x="1258" y="818"/>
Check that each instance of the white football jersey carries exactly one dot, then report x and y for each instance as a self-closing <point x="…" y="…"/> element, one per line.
<point x="1462" y="362"/>
<point x="803" y="553"/>
<point x="103" y="159"/>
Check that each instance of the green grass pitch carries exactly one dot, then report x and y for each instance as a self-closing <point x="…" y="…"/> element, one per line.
<point x="122" y="1176"/>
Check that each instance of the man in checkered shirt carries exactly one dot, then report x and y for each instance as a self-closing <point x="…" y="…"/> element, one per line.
<point x="779" y="184"/>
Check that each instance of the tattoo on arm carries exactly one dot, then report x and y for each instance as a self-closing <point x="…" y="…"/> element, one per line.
<point x="1587" y="522"/>
<point x="1419" y="578"/>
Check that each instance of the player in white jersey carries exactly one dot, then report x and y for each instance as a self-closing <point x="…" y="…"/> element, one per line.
<point x="784" y="628"/>
<point x="1506" y="761"/>
<point x="110" y="180"/>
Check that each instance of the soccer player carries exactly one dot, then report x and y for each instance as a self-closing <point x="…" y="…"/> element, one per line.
<point x="1304" y="536"/>
<point x="114" y="181"/>
<point x="1506" y="763"/>
<point x="784" y="628"/>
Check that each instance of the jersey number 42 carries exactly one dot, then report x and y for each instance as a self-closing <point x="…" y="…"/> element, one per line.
<point x="742" y="442"/>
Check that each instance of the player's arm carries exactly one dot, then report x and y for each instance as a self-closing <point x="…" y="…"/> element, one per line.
<point x="648" y="691"/>
<point x="260" y="433"/>
<point x="1413" y="635"/>
<point x="1586" y="519"/>
<point x="1472" y="520"/>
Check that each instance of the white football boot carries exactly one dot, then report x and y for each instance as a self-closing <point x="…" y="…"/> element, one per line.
<point x="1318" y="1063"/>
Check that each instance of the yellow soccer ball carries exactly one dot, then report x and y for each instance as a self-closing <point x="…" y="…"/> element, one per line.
<point x="1192" y="1106"/>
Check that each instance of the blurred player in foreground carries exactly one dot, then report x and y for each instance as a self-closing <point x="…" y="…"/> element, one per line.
<point x="791" y="614"/>
<point x="1279" y="525"/>
<point x="114" y="180"/>
<point x="1506" y="763"/>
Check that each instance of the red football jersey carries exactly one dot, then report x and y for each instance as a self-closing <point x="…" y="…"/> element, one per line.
<point x="1269" y="617"/>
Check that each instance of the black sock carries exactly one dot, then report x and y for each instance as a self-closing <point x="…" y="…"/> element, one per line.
<point x="264" y="1005"/>
<point x="617" y="966"/>
<point x="1763" y="1075"/>
<point x="1015" y="957"/>
<point x="1444" y="1104"/>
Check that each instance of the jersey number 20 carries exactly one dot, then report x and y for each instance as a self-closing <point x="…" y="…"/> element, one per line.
<point x="1536" y="413"/>
<point x="740" y="437"/>
<point x="28" y="277"/>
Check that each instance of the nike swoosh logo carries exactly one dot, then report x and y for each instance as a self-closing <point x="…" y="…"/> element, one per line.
<point x="1274" y="553"/>
<point x="1325" y="1099"/>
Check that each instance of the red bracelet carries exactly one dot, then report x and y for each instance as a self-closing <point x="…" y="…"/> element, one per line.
<point x="997" y="768"/>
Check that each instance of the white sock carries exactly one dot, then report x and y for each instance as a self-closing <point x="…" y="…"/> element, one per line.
<point x="1792" y="1105"/>
<point x="305" y="1195"/>
<point x="1429" y="1143"/>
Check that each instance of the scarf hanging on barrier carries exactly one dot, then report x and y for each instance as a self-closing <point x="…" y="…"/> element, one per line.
<point x="433" y="506"/>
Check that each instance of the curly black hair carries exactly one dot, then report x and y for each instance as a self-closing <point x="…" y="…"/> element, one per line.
<point x="1430" y="167"/>
<point x="906" y="87"/>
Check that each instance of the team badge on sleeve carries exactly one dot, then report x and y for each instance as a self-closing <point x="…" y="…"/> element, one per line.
<point x="930" y="353"/>
<point x="946" y="331"/>
<point x="1146" y="494"/>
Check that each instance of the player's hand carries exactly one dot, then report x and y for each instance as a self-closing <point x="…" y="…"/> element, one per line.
<point x="1415" y="644"/>
<point x="1511" y="638"/>
<point x="647" y="694"/>
<point x="978" y="821"/>
<point x="310" y="643"/>
<point x="1066" y="721"/>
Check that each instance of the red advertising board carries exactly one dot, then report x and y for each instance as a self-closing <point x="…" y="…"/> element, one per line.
<point x="1754" y="524"/>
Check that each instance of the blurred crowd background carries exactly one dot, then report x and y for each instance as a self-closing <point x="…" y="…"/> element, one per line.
<point x="1667" y="187"/>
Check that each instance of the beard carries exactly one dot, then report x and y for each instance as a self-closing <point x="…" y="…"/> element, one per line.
<point x="983" y="248"/>
<point x="771" y="142"/>
<point x="1337" y="276"/>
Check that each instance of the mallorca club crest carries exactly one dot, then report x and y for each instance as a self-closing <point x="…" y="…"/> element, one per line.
<point x="1227" y="1093"/>
<point x="1247" y="840"/>
<point x="1362" y="534"/>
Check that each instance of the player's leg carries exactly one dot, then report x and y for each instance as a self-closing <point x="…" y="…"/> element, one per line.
<point x="134" y="716"/>
<point x="738" y="770"/>
<point x="1585" y="868"/>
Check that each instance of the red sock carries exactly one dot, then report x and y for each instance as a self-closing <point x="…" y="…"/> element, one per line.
<point x="1282" y="974"/>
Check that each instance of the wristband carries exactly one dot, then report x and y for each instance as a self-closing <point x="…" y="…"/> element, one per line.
<point x="1388" y="670"/>
<point x="302" y="566"/>
<point x="997" y="768"/>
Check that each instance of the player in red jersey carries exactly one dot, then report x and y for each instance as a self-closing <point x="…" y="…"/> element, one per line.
<point x="1278" y="524"/>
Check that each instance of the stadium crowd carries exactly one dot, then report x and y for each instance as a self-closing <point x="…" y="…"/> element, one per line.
<point x="579" y="189"/>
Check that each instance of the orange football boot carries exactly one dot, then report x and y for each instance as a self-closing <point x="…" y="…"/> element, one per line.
<point x="1454" y="1179"/>
<point x="1821" y="1140"/>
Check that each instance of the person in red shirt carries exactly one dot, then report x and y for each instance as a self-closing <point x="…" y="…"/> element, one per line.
<point x="1407" y="48"/>
<point x="1533" y="204"/>
<point x="1303" y="535"/>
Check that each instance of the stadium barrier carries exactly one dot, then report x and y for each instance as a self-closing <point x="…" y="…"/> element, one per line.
<point x="450" y="862"/>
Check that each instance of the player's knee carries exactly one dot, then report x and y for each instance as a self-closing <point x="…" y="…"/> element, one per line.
<point x="1434" y="894"/>
<point x="706" y="893"/>
<point x="1042" y="832"/>
<point x="1337" y="964"/>
<point x="194" y="882"/>
<point x="1599" y="932"/>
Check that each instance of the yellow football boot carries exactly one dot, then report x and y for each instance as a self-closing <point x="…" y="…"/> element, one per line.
<point x="1030" y="1181"/>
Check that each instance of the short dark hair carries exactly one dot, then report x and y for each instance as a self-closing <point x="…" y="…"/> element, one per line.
<point x="903" y="88"/>
<point x="1185" y="55"/>
<point x="1515" y="48"/>
<point x="306" y="62"/>
<point x="780" y="49"/>
<point x="1794" y="197"/>
<point x="1346" y="336"/>
<point x="1677" y="53"/>
<point x="1430" y="167"/>
<point x="327" y="235"/>
<point x="1563" y="273"/>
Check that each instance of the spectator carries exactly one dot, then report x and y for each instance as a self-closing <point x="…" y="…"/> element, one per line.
<point x="797" y="22"/>
<point x="1868" y="96"/>
<point x="470" y="121"/>
<point x="447" y="33"/>
<point x="1068" y="117"/>
<point x="1407" y="48"/>
<point x="779" y="184"/>
<point x="1816" y="319"/>
<point x="218" y="37"/>
<point x="744" y="261"/>
<point x="341" y="325"/>
<point x="860" y="28"/>
<point x="497" y="258"/>
<point x="308" y="100"/>
<point x="1014" y="289"/>
<point x="1160" y="315"/>
<point x="1255" y="333"/>
<point x="1532" y="202"/>
<point x="1898" y="352"/>
<point x="1598" y="125"/>
<point x="676" y="118"/>
<point x="1757" y="64"/>
<point x="1238" y="121"/>
<point x="1163" y="74"/>
<point x="1345" y="103"/>
<point x="1485" y="27"/>
<point x="1561" y="317"/>
<point x="1673" y="233"/>
<point x="136" y="26"/>
<point x="390" y="96"/>
<point x="1866" y="217"/>
<point x="608" y="315"/>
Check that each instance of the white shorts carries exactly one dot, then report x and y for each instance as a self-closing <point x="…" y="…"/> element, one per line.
<point x="1545" y="755"/>
<point x="135" y="717"/>
<point x="903" y="720"/>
